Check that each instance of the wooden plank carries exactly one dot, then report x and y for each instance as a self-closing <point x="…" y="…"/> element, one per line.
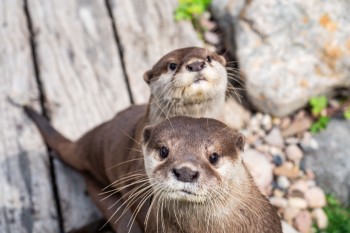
<point x="83" y="82"/>
<point x="26" y="198"/>
<point x="147" y="31"/>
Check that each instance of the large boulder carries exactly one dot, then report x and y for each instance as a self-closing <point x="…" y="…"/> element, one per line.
<point x="331" y="162"/>
<point x="288" y="51"/>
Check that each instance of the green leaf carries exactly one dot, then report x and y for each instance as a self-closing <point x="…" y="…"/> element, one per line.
<point x="318" y="104"/>
<point x="347" y="113"/>
<point x="320" y="124"/>
<point x="188" y="9"/>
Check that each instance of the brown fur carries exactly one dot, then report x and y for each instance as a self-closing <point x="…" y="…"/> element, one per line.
<point x="112" y="150"/>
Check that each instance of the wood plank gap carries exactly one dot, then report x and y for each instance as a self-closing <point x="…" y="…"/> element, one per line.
<point x="120" y="48"/>
<point x="42" y="101"/>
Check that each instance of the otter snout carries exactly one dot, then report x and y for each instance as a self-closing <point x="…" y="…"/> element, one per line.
<point x="196" y="66"/>
<point x="185" y="174"/>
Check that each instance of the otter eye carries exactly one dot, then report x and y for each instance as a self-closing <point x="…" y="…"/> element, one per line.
<point x="172" y="66"/>
<point x="214" y="158"/>
<point x="208" y="59"/>
<point x="163" y="152"/>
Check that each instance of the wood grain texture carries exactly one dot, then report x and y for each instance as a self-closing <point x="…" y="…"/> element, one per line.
<point x="26" y="198"/>
<point x="83" y="83"/>
<point x="147" y="31"/>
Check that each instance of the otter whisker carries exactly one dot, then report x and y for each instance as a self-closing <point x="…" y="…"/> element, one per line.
<point x="130" y="137"/>
<point x="128" y="161"/>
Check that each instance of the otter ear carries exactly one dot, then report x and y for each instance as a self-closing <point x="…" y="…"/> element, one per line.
<point x="147" y="132"/>
<point x="222" y="60"/>
<point x="148" y="76"/>
<point x="240" y="141"/>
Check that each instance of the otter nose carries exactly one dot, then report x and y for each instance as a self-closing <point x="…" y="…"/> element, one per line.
<point x="196" y="66"/>
<point x="185" y="174"/>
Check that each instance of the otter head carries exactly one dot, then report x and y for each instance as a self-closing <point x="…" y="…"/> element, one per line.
<point x="192" y="160"/>
<point x="188" y="81"/>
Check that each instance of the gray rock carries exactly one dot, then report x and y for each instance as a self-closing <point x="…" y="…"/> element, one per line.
<point x="287" y="50"/>
<point x="331" y="162"/>
<point x="274" y="138"/>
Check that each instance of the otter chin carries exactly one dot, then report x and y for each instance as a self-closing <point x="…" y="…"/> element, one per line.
<point x="195" y="169"/>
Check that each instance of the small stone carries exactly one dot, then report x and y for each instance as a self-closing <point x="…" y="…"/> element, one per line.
<point x="298" y="126"/>
<point x="320" y="218"/>
<point x="276" y="121"/>
<point x="266" y="122"/>
<point x="277" y="160"/>
<point x="211" y="37"/>
<point x="292" y="140"/>
<point x="300" y="115"/>
<point x="251" y="139"/>
<point x="294" y="153"/>
<point x="300" y="185"/>
<point x="310" y="174"/>
<point x="278" y="193"/>
<point x="277" y="151"/>
<point x="283" y="182"/>
<point x="286" y="121"/>
<point x="290" y="213"/>
<point x="274" y="138"/>
<point x="297" y="202"/>
<point x="315" y="197"/>
<point x="279" y="202"/>
<point x="287" y="228"/>
<point x="260" y="168"/>
<point x="286" y="170"/>
<point x="263" y="148"/>
<point x="303" y="222"/>
<point x="207" y="24"/>
<point x="308" y="143"/>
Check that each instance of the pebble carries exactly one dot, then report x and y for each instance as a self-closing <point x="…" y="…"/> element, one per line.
<point x="303" y="222"/>
<point x="266" y="122"/>
<point x="292" y="140"/>
<point x="260" y="168"/>
<point x="286" y="121"/>
<point x="279" y="202"/>
<point x="315" y="197"/>
<point x="294" y="153"/>
<point x="283" y="182"/>
<point x="274" y="138"/>
<point x="278" y="193"/>
<point x="211" y="37"/>
<point x="308" y="143"/>
<point x="300" y="185"/>
<point x="276" y="121"/>
<point x="298" y="126"/>
<point x="320" y="218"/>
<point x="297" y="202"/>
<point x="290" y="213"/>
<point x="277" y="160"/>
<point x="286" y="170"/>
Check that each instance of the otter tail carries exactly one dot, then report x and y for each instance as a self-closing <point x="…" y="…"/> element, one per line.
<point x="64" y="148"/>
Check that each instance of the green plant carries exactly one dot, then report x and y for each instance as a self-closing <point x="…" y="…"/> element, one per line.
<point x="318" y="104"/>
<point x="320" y="124"/>
<point x="338" y="217"/>
<point x="347" y="113"/>
<point x="190" y="9"/>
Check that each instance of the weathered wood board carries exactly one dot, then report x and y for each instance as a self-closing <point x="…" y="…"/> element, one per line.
<point x="147" y="31"/>
<point x="83" y="82"/>
<point x="26" y="198"/>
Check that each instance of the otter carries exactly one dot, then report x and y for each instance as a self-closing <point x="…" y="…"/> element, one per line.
<point x="198" y="181"/>
<point x="190" y="81"/>
<point x="187" y="176"/>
